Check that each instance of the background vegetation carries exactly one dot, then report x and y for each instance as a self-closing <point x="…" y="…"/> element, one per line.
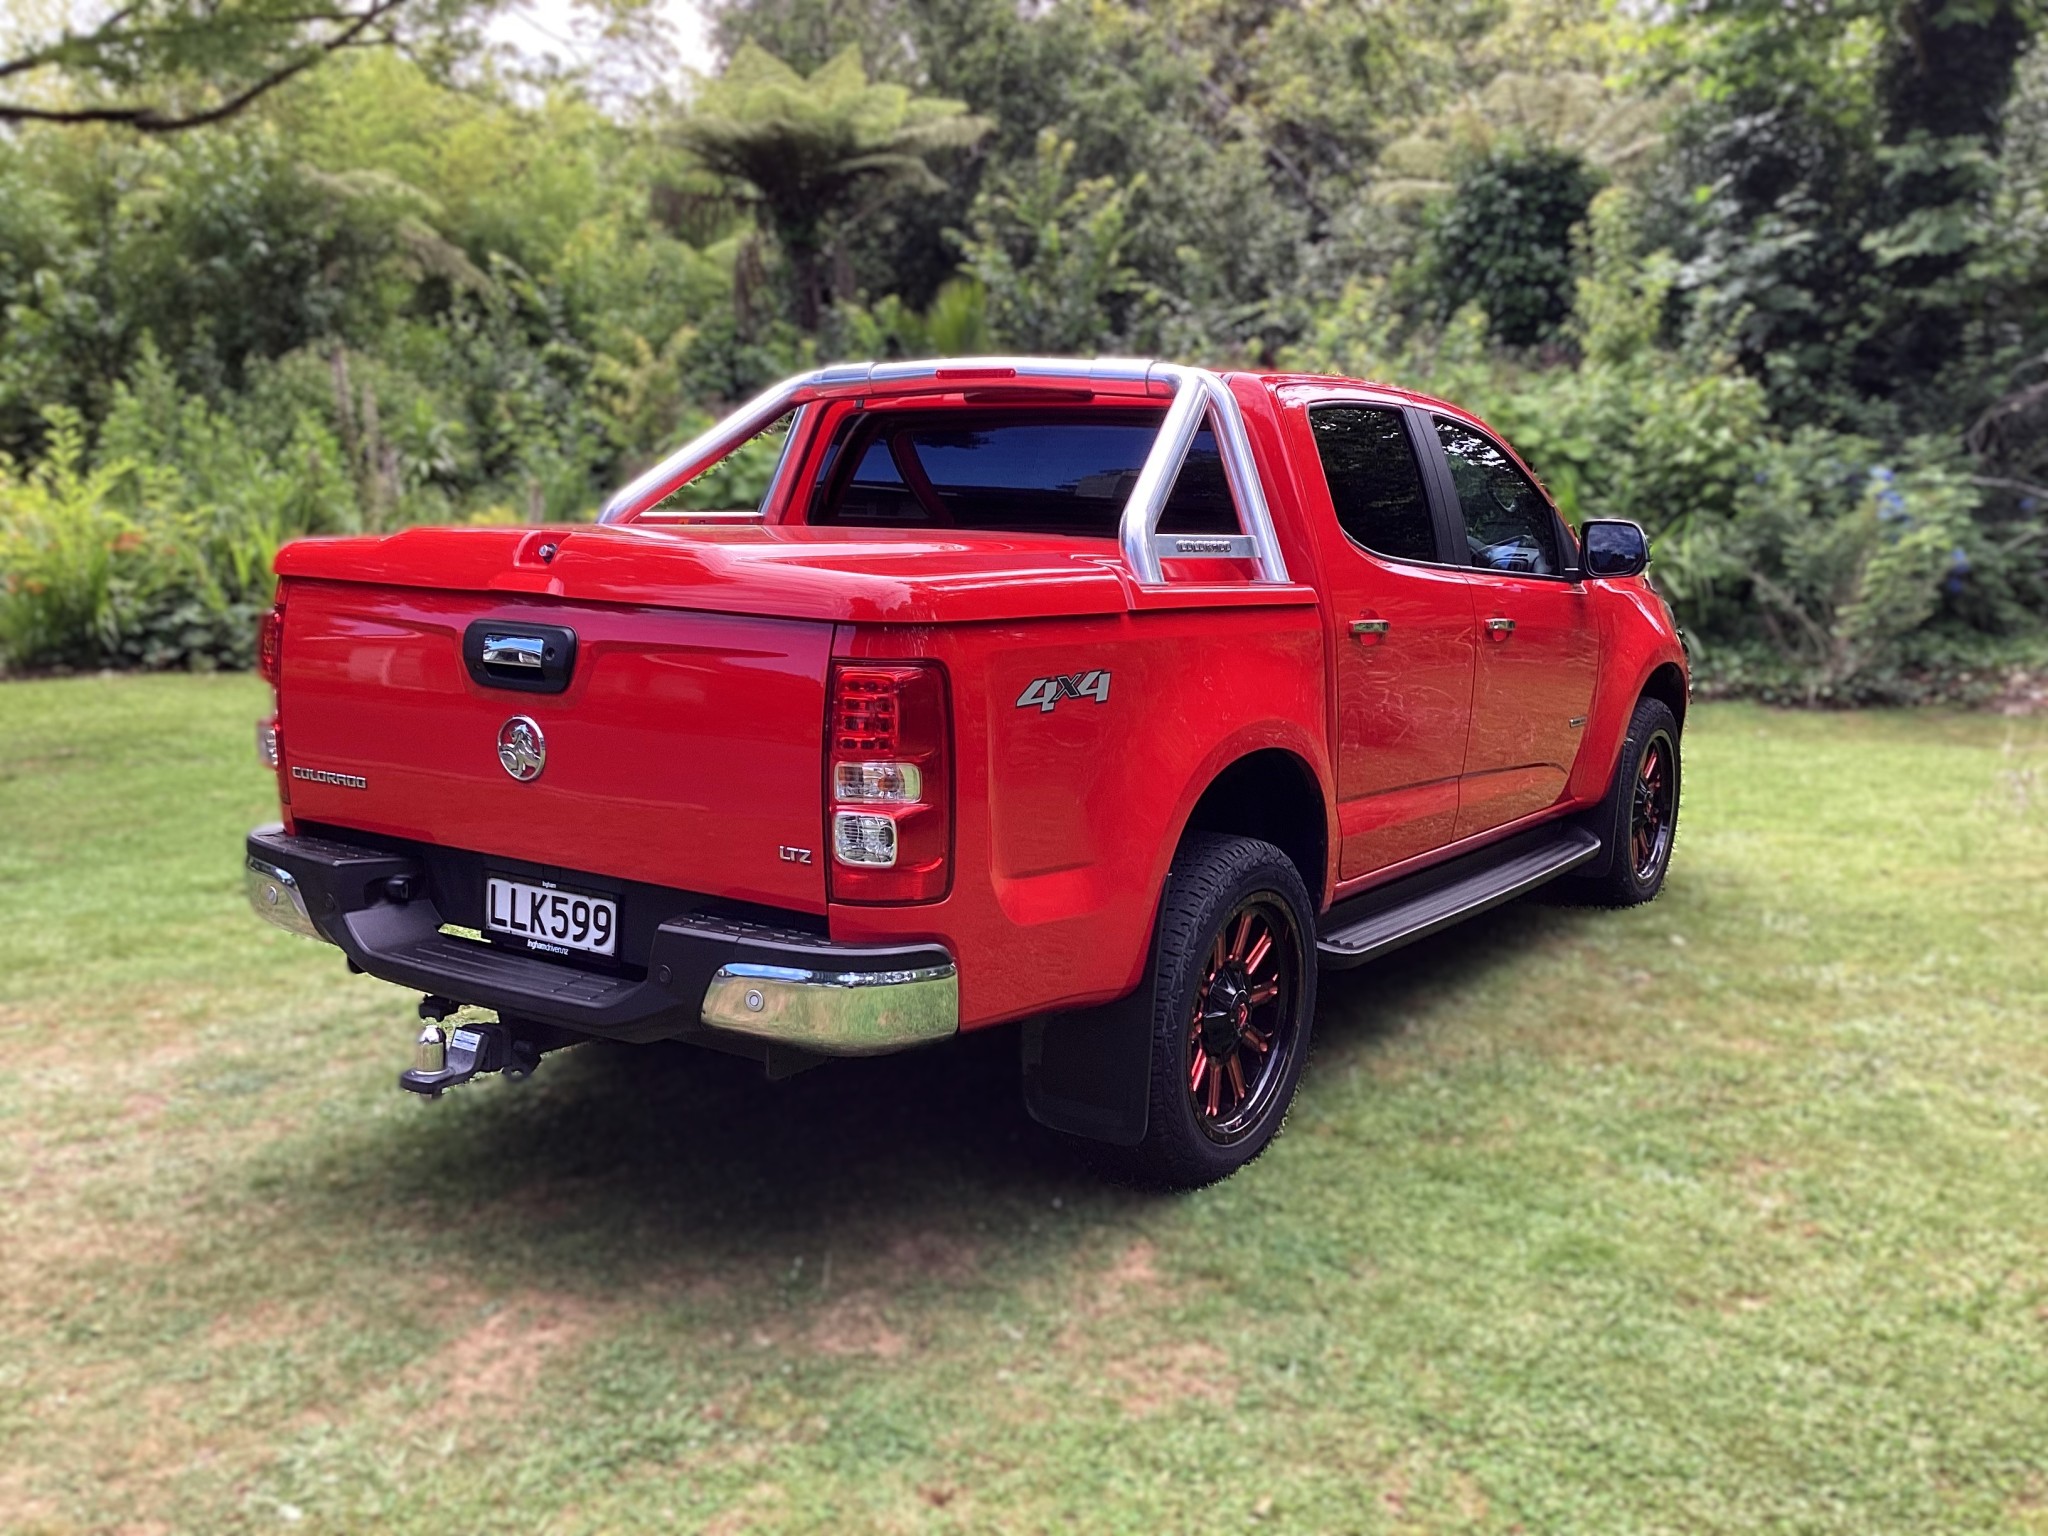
<point x="1771" y="278"/>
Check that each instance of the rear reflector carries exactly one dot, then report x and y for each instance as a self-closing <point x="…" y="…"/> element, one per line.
<point x="888" y="787"/>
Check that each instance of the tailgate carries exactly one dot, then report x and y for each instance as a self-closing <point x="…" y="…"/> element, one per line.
<point x="685" y="749"/>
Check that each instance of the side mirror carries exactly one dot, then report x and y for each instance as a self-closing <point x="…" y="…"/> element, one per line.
<point x="1609" y="547"/>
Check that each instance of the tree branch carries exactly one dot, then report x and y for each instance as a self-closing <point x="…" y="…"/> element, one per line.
<point x="2001" y="483"/>
<point x="149" y="119"/>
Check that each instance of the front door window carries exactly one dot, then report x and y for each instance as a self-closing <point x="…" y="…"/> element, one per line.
<point x="1508" y="522"/>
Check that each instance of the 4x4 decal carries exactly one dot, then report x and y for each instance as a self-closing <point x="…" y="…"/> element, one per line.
<point x="1048" y="691"/>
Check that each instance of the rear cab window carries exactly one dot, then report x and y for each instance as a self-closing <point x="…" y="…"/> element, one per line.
<point x="1066" y="473"/>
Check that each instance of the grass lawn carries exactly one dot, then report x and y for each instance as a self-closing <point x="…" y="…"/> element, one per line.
<point x="1726" y="1214"/>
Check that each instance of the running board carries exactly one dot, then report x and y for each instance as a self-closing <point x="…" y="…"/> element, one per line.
<point x="1368" y="926"/>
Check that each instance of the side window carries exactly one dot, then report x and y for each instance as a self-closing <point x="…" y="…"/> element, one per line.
<point x="1375" y="483"/>
<point x="1508" y="524"/>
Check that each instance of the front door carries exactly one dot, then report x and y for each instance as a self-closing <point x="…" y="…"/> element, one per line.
<point x="1402" y="636"/>
<point x="1538" y="650"/>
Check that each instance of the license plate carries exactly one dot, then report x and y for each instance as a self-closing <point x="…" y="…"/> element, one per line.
<point x="550" y="918"/>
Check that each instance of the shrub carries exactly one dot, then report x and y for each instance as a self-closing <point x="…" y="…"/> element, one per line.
<point x="67" y="553"/>
<point x="1502" y="240"/>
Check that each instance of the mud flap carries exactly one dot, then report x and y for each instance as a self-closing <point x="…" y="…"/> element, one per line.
<point x="1089" y="1073"/>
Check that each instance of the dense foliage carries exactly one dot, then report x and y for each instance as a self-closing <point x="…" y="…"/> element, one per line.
<point x="1772" y="279"/>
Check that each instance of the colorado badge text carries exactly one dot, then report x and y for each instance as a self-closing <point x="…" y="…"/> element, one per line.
<point x="323" y="776"/>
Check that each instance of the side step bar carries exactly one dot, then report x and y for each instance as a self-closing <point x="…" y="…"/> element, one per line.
<point x="1368" y="926"/>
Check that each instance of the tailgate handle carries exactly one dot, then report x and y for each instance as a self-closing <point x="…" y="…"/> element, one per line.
<point x="527" y="658"/>
<point x="513" y="651"/>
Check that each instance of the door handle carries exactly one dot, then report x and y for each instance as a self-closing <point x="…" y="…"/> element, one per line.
<point x="1499" y="629"/>
<point x="1369" y="630"/>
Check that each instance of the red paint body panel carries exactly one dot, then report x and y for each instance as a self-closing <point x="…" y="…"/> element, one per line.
<point x="685" y="751"/>
<point x="857" y="576"/>
<point x="1529" y="685"/>
<point x="1065" y="821"/>
<point x="688" y="749"/>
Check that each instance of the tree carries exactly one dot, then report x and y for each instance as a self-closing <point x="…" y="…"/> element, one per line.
<point x="815" y="153"/>
<point x="1503" y="239"/>
<point x="1944" y="77"/>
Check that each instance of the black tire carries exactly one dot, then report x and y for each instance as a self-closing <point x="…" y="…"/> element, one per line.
<point x="1209" y="972"/>
<point x="1637" y="819"/>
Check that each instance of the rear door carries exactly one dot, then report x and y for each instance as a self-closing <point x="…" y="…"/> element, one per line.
<point x="1401" y="632"/>
<point x="1538" y="651"/>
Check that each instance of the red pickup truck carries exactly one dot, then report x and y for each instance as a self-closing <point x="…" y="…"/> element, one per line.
<point x="1111" y="696"/>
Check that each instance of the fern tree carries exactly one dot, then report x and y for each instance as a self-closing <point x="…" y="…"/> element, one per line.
<point x="814" y="153"/>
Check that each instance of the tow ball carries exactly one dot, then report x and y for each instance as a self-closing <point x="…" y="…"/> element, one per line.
<point x="443" y="1058"/>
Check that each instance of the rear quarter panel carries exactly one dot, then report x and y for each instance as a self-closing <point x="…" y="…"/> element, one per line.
<point x="1066" y="819"/>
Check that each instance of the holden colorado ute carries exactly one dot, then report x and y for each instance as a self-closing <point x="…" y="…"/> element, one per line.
<point x="1114" y="697"/>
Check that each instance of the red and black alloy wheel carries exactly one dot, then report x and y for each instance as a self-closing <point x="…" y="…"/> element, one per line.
<point x="1239" y="1031"/>
<point x="1653" y="808"/>
<point x="1638" y="816"/>
<point x="1233" y="998"/>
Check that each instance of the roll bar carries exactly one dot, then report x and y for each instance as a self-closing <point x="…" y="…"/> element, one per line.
<point x="1197" y="395"/>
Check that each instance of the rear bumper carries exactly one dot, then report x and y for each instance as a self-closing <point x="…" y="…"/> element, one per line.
<point x="704" y="975"/>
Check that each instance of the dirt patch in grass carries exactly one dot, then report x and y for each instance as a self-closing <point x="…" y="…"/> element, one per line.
<point x="491" y="1369"/>
<point x="1191" y="1371"/>
<point x="853" y="1324"/>
<point x="264" y="1323"/>
<point x="758" y="1503"/>
<point x="930" y="1255"/>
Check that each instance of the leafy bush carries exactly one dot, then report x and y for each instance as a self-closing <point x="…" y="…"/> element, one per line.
<point x="68" y="554"/>
<point x="1503" y="239"/>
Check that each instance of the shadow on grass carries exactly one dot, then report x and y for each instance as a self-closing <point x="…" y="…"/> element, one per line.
<point x="616" y="1163"/>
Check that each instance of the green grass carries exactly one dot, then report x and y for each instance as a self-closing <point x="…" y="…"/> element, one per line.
<point x="1727" y="1214"/>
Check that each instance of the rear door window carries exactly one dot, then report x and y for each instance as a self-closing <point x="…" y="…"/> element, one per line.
<point x="1012" y="472"/>
<point x="1375" y="482"/>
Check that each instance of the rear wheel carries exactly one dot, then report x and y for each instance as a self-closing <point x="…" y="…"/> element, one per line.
<point x="1234" y="994"/>
<point x="1638" y="819"/>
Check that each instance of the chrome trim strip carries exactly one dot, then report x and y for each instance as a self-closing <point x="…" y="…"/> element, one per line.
<point x="276" y="898"/>
<point x="837" y="1013"/>
<point x="1197" y="394"/>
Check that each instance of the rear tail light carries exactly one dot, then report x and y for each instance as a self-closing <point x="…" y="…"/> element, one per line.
<point x="270" y="645"/>
<point x="269" y="735"/>
<point x="888" y="786"/>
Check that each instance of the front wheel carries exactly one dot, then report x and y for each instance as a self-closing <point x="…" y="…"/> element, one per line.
<point x="1233" y="997"/>
<point x="1638" y="819"/>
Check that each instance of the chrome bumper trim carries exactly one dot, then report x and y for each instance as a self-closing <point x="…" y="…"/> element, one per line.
<point x="276" y="897"/>
<point x="837" y="1013"/>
